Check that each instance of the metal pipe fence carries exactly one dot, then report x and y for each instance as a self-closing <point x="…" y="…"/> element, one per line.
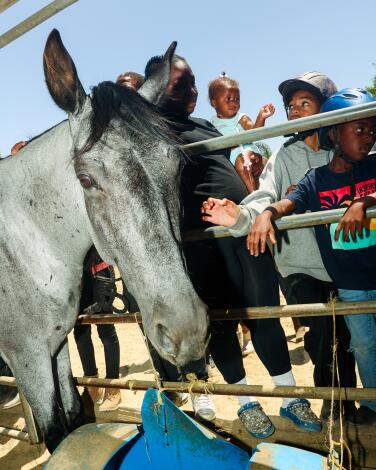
<point x="34" y="20"/>
<point x="294" y="221"/>
<point x="4" y="4"/>
<point x="349" y="393"/>
<point x="286" y="128"/>
<point x="308" y="219"/>
<point x="300" y="310"/>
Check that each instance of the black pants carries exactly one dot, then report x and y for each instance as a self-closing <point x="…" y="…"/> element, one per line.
<point x="224" y="275"/>
<point x="107" y="334"/>
<point x="318" y="341"/>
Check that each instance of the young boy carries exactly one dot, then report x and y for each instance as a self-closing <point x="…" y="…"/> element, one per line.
<point x="348" y="249"/>
<point x="303" y="276"/>
<point x="224" y="96"/>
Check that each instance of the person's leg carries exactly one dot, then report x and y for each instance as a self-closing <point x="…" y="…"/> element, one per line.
<point x="318" y="341"/>
<point x="254" y="283"/>
<point x="110" y="340"/>
<point x="363" y="343"/>
<point x="82" y="336"/>
<point x="298" y="326"/>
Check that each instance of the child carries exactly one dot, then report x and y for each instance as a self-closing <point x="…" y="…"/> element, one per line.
<point x="132" y="80"/>
<point x="224" y="95"/>
<point x="304" y="278"/>
<point x="349" y="180"/>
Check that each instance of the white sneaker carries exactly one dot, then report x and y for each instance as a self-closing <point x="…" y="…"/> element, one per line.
<point x="13" y="402"/>
<point x="203" y="407"/>
<point x="248" y="348"/>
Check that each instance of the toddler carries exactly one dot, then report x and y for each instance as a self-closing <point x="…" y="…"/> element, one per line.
<point x="224" y="96"/>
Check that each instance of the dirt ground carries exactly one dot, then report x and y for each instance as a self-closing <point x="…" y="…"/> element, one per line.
<point x="134" y="363"/>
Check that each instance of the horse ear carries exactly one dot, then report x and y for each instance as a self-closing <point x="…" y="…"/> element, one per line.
<point x="61" y="75"/>
<point x="154" y="88"/>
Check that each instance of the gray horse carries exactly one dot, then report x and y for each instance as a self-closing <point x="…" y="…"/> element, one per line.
<point x="109" y="175"/>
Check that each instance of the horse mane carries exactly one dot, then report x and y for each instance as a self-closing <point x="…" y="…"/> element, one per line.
<point x="140" y="117"/>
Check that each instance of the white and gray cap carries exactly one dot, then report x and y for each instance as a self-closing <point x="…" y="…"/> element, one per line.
<point x="316" y="82"/>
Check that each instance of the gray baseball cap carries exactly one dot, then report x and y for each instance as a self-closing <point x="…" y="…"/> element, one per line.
<point x="316" y="82"/>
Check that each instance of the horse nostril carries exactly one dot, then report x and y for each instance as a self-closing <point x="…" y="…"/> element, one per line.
<point x="165" y="340"/>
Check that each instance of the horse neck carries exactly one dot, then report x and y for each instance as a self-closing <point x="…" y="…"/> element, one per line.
<point x="43" y="201"/>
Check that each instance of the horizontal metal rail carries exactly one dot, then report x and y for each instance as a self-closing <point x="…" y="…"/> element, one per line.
<point x="34" y="20"/>
<point x="4" y="4"/>
<point x="308" y="219"/>
<point x="300" y="310"/>
<point x="224" y="389"/>
<point x="286" y="128"/>
<point x="14" y="434"/>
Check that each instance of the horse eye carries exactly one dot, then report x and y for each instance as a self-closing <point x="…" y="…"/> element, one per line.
<point x="85" y="180"/>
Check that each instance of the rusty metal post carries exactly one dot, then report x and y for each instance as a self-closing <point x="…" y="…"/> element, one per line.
<point x="14" y="434"/>
<point x="234" y="389"/>
<point x="300" y="310"/>
<point x="31" y="425"/>
<point x="4" y="4"/>
<point x="285" y="128"/>
<point x="34" y="20"/>
<point x="308" y="219"/>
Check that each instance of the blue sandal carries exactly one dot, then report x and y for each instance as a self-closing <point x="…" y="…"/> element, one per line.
<point x="254" y="419"/>
<point x="300" y="413"/>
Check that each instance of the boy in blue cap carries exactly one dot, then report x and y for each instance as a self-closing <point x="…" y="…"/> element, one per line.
<point x="348" y="248"/>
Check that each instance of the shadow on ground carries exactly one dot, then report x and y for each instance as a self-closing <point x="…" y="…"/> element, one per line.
<point x="136" y="368"/>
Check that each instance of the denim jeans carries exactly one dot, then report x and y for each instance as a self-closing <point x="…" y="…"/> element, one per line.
<point x="363" y="338"/>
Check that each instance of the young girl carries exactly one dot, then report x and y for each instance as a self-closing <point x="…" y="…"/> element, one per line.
<point x="224" y="96"/>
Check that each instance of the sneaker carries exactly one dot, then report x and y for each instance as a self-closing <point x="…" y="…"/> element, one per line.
<point x="247" y="348"/>
<point x="300" y="413"/>
<point x="179" y="399"/>
<point x="255" y="421"/>
<point x="111" y="400"/>
<point x="203" y="407"/>
<point x="11" y="403"/>
<point x="363" y="416"/>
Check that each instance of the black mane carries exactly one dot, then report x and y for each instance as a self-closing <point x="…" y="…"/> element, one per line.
<point x="141" y="118"/>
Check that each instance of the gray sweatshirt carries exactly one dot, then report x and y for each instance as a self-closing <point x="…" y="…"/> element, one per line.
<point x="296" y="250"/>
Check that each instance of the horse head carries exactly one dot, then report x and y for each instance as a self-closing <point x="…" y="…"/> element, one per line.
<point x="128" y="164"/>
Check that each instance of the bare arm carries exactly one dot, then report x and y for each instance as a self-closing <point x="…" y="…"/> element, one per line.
<point x="220" y="212"/>
<point x="263" y="227"/>
<point x="246" y="123"/>
<point x="245" y="174"/>
<point x="265" y="112"/>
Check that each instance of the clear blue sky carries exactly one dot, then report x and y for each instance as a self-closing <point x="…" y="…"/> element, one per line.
<point x="258" y="43"/>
